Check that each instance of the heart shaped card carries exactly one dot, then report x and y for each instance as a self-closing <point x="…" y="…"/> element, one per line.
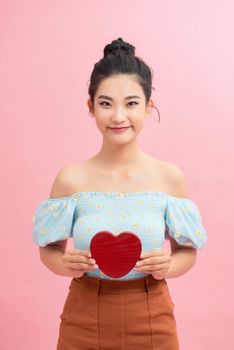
<point x="115" y="255"/>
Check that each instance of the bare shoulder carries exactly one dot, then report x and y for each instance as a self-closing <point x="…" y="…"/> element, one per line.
<point x="63" y="184"/>
<point x="175" y="179"/>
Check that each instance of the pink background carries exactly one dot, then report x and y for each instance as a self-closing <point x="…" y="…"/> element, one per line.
<point x="48" y="49"/>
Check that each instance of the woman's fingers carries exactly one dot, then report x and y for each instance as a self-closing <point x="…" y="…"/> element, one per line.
<point x="78" y="252"/>
<point x="157" y="267"/>
<point x="81" y="266"/>
<point x="78" y="258"/>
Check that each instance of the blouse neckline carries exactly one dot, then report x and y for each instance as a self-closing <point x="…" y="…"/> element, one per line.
<point x="119" y="194"/>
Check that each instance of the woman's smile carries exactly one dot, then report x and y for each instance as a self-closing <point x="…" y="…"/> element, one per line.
<point x="119" y="130"/>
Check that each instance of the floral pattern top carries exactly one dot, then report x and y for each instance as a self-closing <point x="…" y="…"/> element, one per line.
<point x="150" y="215"/>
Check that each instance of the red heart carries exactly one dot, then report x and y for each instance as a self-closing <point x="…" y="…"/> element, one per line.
<point x="115" y="255"/>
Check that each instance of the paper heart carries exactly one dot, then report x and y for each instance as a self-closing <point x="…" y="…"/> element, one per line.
<point x="115" y="255"/>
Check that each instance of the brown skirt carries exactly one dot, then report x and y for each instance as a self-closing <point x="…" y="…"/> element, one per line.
<point x="118" y="314"/>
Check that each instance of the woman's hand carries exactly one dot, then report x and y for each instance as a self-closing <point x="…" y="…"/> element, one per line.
<point x="155" y="262"/>
<point x="78" y="262"/>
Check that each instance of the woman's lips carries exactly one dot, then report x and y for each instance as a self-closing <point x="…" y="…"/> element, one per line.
<point x="118" y="130"/>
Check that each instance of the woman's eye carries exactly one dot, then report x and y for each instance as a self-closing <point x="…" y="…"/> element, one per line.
<point x="134" y="102"/>
<point x="102" y="103"/>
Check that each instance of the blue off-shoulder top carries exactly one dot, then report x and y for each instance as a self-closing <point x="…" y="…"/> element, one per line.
<point x="151" y="215"/>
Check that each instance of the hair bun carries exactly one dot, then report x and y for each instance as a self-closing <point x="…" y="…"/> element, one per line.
<point x="118" y="46"/>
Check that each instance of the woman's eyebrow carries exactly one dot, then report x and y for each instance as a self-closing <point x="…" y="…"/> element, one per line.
<point x="111" y="99"/>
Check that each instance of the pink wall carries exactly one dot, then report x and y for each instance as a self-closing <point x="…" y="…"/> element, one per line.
<point x="48" y="49"/>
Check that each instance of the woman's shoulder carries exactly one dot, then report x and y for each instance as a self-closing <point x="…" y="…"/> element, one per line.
<point x="72" y="178"/>
<point x="171" y="169"/>
<point x="66" y="180"/>
<point x="175" y="178"/>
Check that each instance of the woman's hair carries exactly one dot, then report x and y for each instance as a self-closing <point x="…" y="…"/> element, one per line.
<point x="119" y="58"/>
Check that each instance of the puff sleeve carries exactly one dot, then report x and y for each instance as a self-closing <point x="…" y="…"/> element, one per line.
<point x="184" y="222"/>
<point x="53" y="220"/>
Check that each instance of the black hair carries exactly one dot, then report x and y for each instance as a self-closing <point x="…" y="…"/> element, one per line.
<point x="119" y="58"/>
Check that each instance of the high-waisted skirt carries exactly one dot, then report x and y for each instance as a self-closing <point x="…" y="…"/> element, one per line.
<point x="118" y="314"/>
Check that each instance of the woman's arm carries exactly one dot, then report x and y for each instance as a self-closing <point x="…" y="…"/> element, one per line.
<point x="51" y="256"/>
<point x="182" y="260"/>
<point x="183" y="257"/>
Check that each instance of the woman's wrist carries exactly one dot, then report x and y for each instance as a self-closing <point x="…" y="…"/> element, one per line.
<point x="182" y="260"/>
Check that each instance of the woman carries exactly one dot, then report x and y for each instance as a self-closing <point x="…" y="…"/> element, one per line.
<point x="119" y="189"/>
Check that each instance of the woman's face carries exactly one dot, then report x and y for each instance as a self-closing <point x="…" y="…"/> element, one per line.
<point x="120" y="103"/>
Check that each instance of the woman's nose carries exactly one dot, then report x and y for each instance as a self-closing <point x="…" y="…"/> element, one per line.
<point x="118" y="115"/>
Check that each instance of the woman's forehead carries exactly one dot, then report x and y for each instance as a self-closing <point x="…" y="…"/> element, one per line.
<point x="120" y="86"/>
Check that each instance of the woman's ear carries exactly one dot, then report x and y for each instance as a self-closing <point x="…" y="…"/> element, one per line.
<point x="149" y="106"/>
<point x="89" y="104"/>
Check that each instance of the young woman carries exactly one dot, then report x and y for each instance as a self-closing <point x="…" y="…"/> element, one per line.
<point x="121" y="188"/>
